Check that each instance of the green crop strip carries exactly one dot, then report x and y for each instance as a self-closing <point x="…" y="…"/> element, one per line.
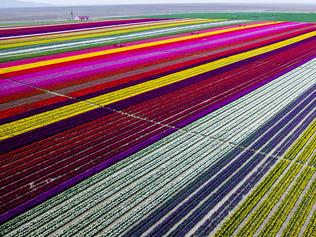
<point x="118" y="33"/>
<point x="255" y="16"/>
<point x="89" y="45"/>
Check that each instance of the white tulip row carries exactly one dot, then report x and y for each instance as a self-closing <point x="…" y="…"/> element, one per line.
<point x="121" y="195"/>
<point x="131" y="36"/>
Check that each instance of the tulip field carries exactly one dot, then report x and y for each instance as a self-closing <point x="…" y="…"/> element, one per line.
<point x="158" y="127"/>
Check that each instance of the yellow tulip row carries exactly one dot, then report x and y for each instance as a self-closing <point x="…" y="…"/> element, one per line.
<point x="310" y="230"/>
<point x="257" y="217"/>
<point x="229" y="227"/>
<point x="308" y="150"/>
<point x="43" y="119"/>
<point x="260" y="214"/>
<point x="40" y="120"/>
<point x="299" y="144"/>
<point x="297" y="221"/>
<point x="313" y="160"/>
<point x="276" y="221"/>
<point x="138" y="46"/>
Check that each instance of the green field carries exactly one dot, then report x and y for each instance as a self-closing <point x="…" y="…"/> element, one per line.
<point x="255" y="16"/>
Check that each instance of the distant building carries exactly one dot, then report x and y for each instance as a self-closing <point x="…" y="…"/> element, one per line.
<point x="78" y="18"/>
<point x="82" y="18"/>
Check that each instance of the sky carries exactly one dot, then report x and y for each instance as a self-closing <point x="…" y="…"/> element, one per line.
<point x="96" y="2"/>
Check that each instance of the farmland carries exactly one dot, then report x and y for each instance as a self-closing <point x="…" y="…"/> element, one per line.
<point x="158" y="126"/>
